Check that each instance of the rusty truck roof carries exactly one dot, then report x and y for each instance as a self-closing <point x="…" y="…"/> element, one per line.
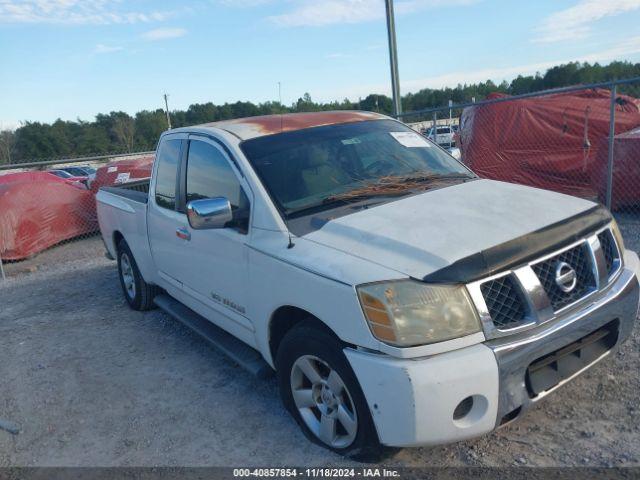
<point x="252" y="127"/>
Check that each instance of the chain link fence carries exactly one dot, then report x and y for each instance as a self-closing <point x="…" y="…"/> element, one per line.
<point x="582" y="140"/>
<point x="48" y="208"/>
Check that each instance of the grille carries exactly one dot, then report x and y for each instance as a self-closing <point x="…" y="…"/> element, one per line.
<point x="580" y="260"/>
<point x="546" y="372"/>
<point x="608" y="249"/>
<point x="505" y="301"/>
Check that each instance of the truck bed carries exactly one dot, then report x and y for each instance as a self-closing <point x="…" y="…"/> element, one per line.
<point x="137" y="191"/>
<point x="122" y="212"/>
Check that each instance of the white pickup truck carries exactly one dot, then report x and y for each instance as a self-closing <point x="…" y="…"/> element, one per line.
<point x="400" y="299"/>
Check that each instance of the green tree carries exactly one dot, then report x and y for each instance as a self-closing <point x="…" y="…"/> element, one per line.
<point x="7" y="144"/>
<point x="117" y="131"/>
<point x="149" y="125"/>
<point x="124" y="128"/>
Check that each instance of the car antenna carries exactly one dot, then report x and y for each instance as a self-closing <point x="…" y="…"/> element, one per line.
<point x="286" y="223"/>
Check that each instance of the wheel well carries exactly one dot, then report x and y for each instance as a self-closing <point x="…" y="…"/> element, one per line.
<point x="117" y="236"/>
<point x="284" y="319"/>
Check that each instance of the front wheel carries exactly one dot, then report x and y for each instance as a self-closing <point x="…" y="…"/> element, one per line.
<point x="320" y="390"/>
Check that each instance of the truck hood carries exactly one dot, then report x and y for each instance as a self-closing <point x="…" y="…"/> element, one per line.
<point x="426" y="233"/>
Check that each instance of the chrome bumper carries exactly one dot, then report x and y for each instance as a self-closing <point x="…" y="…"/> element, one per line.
<point x="514" y="354"/>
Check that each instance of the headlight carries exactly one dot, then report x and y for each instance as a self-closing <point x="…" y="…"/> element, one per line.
<point x="407" y="313"/>
<point x="618" y="236"/>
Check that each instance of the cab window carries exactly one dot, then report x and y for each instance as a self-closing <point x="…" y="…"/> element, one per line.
<point x="209" y="175"/>
<point x="166" y="174"/>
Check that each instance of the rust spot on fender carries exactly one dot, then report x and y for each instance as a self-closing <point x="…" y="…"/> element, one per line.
<point x="252" y="127"/>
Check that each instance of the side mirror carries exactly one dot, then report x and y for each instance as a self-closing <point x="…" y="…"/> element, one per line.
<point x="209" y="213"/>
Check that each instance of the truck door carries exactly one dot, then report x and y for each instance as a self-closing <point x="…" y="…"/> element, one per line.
<point x="216" y="259"/>
<point x="164" y="222"/>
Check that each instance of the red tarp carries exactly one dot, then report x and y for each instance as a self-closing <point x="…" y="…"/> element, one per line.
<point x="39" y="210"/>
<point x="122" y="171"/>
<point x="626" y="169"/>
<point x="557" y="142"/>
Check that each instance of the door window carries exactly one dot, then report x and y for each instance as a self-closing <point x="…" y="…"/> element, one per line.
<point x="166" y="174"/>
<point x="209" y="175"/>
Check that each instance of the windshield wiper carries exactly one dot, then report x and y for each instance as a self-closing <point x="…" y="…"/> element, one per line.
<point x="329" y="203"/>
<point x="390" y="186"/>
<point x="428" y="177"/>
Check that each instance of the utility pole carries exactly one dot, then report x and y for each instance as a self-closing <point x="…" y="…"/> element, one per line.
<point x="280" y="93"/>
<point x="166" y="111"/>
<point x="393" y="58"/>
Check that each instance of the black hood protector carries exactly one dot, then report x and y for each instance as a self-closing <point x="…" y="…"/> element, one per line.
<point x="522" y="249"/>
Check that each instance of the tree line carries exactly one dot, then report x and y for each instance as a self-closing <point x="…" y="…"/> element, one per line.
<point x="119" y="132"/>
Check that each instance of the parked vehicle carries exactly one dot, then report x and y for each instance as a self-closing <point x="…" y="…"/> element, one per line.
<point x="400" y="299"/>
<point x="559" y="142"/>
<point x="39" y="210"/>
<point x="79" y="171"/>
<point x="60" y="173"/>
<point x="83" y="171"/>
<point x="444" y="135"/>
<point x="122" y="171"/>
<point x="81" y="181"/>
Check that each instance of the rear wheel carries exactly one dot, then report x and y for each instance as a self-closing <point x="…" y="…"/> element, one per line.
<point x="138" y="293"/>
<point x="320" y="390"/>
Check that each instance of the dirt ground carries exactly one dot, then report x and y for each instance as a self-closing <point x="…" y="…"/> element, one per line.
<point x="88" y="382"/>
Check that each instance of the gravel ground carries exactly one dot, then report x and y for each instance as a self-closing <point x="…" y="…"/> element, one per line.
<point x="88" y="382"/>
<point x="57" y="257"/>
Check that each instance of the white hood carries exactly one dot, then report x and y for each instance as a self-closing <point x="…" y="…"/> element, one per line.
<point x="424" y="233"/>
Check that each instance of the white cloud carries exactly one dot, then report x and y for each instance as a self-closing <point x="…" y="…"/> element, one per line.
<point x="317" y="13"/>
<point x="74" y="12"/>
<point x="337" y="55"/>
<point x="163" y="34"/>
<point x="575" y="22"/>
<point x="100" y="48"/>
<point x="243" y="3"/>
<point x="10" y="125"/>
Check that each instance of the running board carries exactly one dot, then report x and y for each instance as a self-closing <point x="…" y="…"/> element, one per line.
<point x="238" y="351"/>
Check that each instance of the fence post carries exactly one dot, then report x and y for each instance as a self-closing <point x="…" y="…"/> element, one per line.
<point x="434" y="128"/>
<point x="1" y="267"/>
<point x="612" y="133"/>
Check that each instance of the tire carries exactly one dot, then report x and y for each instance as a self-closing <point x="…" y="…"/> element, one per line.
<point x="138" y="293"/>
<point x="336" y="418"/>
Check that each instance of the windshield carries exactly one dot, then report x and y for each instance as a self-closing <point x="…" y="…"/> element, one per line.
<point x="321" y="166"/>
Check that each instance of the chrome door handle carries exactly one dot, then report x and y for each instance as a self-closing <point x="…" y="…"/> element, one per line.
<point x="183" y="233"/>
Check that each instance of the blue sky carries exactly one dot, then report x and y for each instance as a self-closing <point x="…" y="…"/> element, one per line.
<point x="74" y="58"/>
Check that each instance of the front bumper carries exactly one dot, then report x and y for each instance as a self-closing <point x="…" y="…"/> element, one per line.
<point x="412" y="401"/>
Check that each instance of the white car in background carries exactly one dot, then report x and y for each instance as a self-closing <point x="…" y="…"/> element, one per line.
<point x="443" y="136"/>
<point x="81" y="171"/>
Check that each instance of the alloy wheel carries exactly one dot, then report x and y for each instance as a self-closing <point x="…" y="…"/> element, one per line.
<point x="127" y="276"/>
<point x="323" y="401"/>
